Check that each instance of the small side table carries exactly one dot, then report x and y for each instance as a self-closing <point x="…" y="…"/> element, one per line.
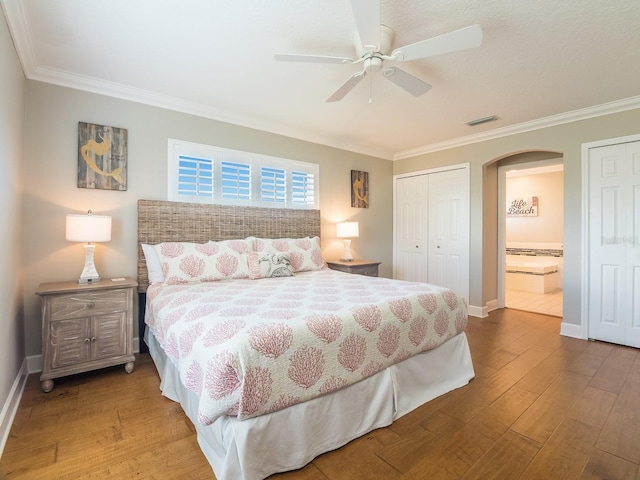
<point x="359" y="267"/>
<point x="86" y="327"/>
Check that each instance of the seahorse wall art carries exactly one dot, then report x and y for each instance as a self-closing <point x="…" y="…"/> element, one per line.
<point x="359" y="189"/>
<point x="102" y="157"/>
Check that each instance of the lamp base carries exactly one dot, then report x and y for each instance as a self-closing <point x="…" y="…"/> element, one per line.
<point x="84" y="280"/>
<point x="89" y="274"/>
<point x="346" y="255"/>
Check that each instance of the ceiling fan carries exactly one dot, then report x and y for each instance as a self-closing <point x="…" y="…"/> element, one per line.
<point x="373" y="44"/>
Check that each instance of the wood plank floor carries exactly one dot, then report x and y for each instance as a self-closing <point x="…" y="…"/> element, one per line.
<point x="541" y="406"/>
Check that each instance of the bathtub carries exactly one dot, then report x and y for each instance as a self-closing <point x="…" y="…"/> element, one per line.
<point x="533" y="277"/>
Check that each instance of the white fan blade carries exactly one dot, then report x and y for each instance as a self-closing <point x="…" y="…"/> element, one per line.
<point x="411" y="84"/>
<point x="468" y="37"/>
<point x="367" y="15"/>
<point x="347" y="86"/>
<point x="295" y="57"/>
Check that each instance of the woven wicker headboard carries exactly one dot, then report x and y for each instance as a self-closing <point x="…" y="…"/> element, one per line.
<point x="162" y="221"/>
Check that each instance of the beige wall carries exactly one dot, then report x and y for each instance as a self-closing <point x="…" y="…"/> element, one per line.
<point x="52" y="116"/>
<point x="12" y="347"/>
<point x="547" y="226"/>
<point x="565" y="140"/>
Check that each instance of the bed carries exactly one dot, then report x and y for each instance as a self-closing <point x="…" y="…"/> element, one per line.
<point x="276" y="371"/>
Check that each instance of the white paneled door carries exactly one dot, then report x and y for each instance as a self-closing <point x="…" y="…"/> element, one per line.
<point x="432" y="229"/>
<point x="412" y="220"/>
<point x="449" y="230"/>
<point x="614" y="243"/>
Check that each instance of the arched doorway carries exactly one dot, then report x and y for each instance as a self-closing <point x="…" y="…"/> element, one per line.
<point x="528" y="247"/>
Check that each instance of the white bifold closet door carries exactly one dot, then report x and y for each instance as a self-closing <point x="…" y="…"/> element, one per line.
<point x="412" y="228"/>
<point x="432" y="229"/>
<point x="614" y="244"/>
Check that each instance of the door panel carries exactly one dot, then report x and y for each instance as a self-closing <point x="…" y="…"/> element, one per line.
<point x="449" y="230"/>
<point x="609" y="295"/>
<point x="614" y="246"/>
<point x="412" y="197"/>
<point x="70" y="342"/>
<point x="109" y="335"/>
<point x="633" y="247"/>
<point x="635" y="300"/>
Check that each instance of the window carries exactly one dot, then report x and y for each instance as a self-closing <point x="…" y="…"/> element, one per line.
<point x="236" y="180"/>
<point x="208" y="174"/>
<point x="303" y="189"/>
<point x="195" y="176"/>
<point x="272" y="184"/>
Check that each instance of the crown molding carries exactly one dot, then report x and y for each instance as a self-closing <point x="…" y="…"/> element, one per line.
<point x="20" y="29"/>
<point x="20" y="32"/>
<point x="545" y="122"/>
<point x="125" y="92"/>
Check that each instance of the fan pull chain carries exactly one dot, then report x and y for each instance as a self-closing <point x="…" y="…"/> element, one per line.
<point x="370" y="89"/>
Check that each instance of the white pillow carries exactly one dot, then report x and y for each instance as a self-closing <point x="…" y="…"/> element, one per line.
<point x="154" y="269"/>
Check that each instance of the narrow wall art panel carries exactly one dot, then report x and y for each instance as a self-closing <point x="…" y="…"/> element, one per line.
<point x="359" y="189"/>
<point x="102" y="157"/>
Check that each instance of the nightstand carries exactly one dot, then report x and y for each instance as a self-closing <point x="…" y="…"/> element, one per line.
<point x="86" y="327"/>
<point x="359" y="267"/>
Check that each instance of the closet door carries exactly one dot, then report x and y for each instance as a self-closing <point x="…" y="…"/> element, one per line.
<point x="432" y="229"/>
<point x="411" y="219"/>
<point x="614" y="243"/>
<point x="449" y="230"/>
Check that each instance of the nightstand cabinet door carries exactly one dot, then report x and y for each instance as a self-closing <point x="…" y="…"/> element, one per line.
<point x="108" y="334"/>
<point x="69" y="342"/>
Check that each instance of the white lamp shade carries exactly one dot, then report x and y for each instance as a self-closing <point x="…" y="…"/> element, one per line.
<point x="347" y="230"/>
<point x="88" y="228"/>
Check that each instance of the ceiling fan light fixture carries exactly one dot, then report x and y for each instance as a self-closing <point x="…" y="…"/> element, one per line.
<point x="479" y="121"/>
<point x="373" y="41"/>
<point x="373" y="64"/>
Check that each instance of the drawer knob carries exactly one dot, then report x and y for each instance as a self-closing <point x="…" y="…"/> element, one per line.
<point x="93" y="339"/>
<point x="86" y="340"/>
<point x="91" y="305"/>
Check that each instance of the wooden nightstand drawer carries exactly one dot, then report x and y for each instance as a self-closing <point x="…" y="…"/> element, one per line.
<point x="358" y="267"/>
<point x="85" y="304"/>
<point x="369" y="270"/>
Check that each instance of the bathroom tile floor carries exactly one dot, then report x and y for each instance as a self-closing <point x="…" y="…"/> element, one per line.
<point x="548" y="303"/>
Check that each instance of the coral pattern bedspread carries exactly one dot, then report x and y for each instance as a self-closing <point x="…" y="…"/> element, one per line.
<point x="250" y="347"/>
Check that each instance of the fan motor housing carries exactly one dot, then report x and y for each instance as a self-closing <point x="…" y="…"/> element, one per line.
<point x="387" y="35"/>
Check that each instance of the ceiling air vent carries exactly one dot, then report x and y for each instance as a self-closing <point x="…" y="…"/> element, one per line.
<point x="478" y="121"/>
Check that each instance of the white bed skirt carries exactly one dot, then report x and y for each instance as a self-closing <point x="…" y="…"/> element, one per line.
<point x="288" y="439"/>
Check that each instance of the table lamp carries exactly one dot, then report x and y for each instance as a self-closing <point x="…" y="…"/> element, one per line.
<point x="88" y="228"/>
<point x="347" y="231"/>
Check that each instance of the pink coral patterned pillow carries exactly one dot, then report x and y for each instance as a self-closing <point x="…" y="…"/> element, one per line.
<point x="304" y="253"/>
<point x="184" y="262"/>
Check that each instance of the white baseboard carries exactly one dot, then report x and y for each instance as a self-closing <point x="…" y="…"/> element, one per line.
<point x="11" y="405"/>
<point x="476" y="311"/>
<point x="572" y="330"/>
<point x="34" y="362"/>
<point x="482" y="312"/>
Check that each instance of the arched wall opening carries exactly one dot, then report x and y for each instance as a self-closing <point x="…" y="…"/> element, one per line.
<point x="493" y="215"/>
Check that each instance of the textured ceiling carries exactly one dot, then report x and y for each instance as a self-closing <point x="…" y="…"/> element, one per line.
<point x="538" y="60"/>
